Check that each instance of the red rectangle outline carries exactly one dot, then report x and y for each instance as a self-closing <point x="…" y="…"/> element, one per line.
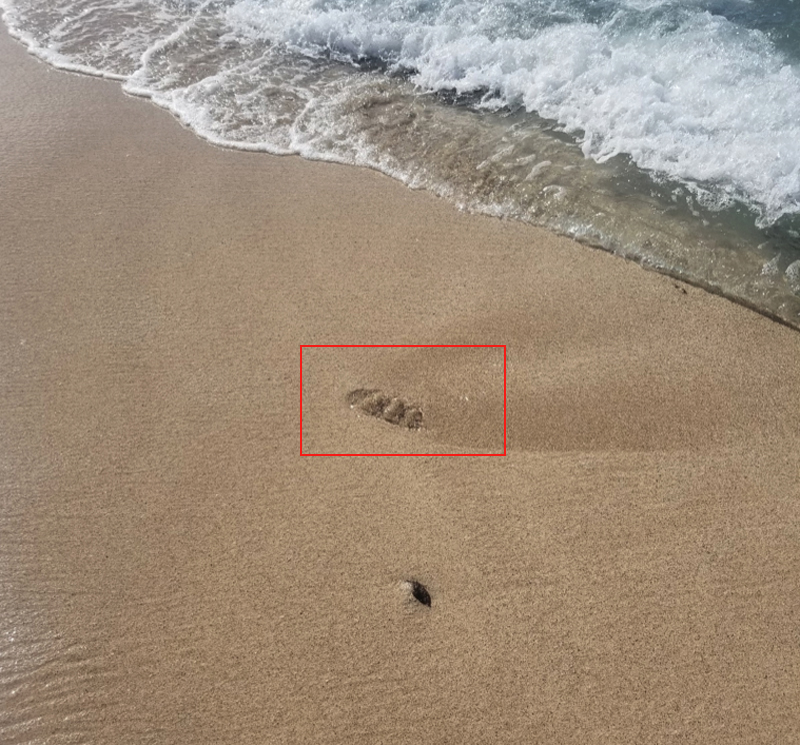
<point x="405" y="455"/>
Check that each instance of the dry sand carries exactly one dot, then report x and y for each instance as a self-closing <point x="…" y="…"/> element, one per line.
<point x="173" y="571"/>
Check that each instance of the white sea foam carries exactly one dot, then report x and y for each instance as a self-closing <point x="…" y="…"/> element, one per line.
<point x="691" y="97"/>
<point x="685" y="94"/>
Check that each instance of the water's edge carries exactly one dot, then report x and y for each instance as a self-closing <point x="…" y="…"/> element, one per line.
<point x="587" y="238"/>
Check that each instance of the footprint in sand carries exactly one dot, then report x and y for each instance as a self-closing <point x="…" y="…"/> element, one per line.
<point x="389" y="408"/>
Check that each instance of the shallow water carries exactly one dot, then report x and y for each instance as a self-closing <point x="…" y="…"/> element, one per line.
<point x="665" y="132"/>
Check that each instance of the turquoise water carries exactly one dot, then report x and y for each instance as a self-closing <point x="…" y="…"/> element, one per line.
<point x="667" y="132"/>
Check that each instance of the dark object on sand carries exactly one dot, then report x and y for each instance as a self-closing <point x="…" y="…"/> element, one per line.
<point x="420" y="592"/>
<point x="382" y="406"/>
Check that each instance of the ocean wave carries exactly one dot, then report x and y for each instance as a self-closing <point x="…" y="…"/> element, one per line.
<point x="686" y="94"/>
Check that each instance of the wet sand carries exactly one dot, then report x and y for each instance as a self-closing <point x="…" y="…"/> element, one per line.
<point x="173" y="571"/>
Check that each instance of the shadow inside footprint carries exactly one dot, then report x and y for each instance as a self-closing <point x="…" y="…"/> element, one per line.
<point x="389" y="408"/>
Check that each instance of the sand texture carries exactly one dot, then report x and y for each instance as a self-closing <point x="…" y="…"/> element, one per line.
<point x="173" y="571"/>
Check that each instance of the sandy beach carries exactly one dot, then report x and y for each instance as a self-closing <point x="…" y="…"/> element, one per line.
<point x="172" y="570"/>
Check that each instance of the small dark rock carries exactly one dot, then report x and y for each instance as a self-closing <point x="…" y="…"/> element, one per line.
<point x="420" y="593"/>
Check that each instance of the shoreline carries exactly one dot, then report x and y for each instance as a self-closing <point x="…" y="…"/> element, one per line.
<point x="617" y="247"/>
<point x="172" y="569"/>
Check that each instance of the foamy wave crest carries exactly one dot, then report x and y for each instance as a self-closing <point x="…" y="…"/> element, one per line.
<point x="683" y="91"/>
<point x="686" y="94"/>
<point x="96" y="37"/>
